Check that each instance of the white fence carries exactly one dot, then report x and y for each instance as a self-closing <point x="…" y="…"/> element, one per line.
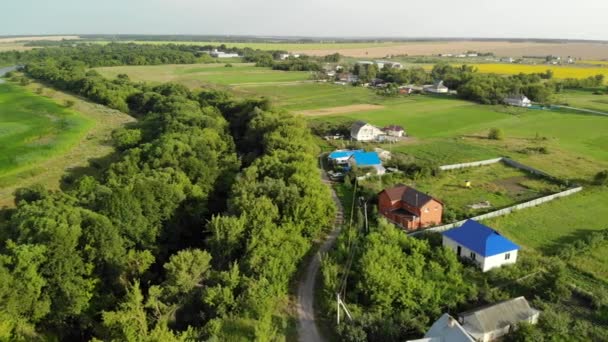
<point x="508" y="161"/>
<point x="472" y="164"/>
<point x="505" y="211"/>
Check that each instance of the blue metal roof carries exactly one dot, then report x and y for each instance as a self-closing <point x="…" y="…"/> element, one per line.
<point x="366" y="159"/>
<point x="343" y="154"/>
<point x="481" y="239"/>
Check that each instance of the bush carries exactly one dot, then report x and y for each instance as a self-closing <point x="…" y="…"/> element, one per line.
<point x="228" y="65"/>
<point x="601" y="178"/>
<point x="69" y="103"/>
<point x="496" y="134"/>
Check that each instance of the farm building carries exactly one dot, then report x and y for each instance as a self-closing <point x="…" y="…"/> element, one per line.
<point x="348" y="77"/>
<point x="342" y="156"/>
<point x="394" y="131"/>
<point x="481" y="244"/>
<point x="446" y="329"/>
<point x="437" y="88"/>
<point x="492" y="322"/>
<point x="484" y="324"/>
<point x="388" y="65"/>
<point x="367" y="159"/>
<point x="362" y="131"/>
<point x="220" y="54"/>
<point x="409" y="208"/>
<point x="284" y="56"/>
<point x="518" y="101"/>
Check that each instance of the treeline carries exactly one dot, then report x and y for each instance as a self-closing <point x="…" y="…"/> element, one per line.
<point x="175" y="241"/>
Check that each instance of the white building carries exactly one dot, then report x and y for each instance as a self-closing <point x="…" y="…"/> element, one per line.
<point x="221" y="54"/>
<point x="362" y="131"/>
<point x="446" y="329"/>
<point x="437" y="88"/>
<point x="284" y="56"/>
<point x="388" y="65"/>
<point x="507" y="60"/>
<point x="481" y="244"/>
<point x="492" y="322"/>
<point x="394" y="131"/>
<point x="518" y="101"/>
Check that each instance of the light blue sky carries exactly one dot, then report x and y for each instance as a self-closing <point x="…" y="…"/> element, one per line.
<point x="582" y="19"/>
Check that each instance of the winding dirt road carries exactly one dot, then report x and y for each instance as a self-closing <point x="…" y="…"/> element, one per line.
<point x="307" y="328"/>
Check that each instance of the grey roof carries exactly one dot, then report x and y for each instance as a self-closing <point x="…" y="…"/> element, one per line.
<point x="357" y="125"/>
<point x="517" y="97"/>
<point x="497" y="316"/>
<point x="447" y="329"/>
<point x="438" y="85"/>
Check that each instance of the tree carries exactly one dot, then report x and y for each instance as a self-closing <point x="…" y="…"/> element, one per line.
<point x="496" y="134"/>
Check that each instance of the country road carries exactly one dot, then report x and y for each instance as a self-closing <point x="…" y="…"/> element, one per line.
<point x="307" y="328"/>
<point x="5" y="70"/>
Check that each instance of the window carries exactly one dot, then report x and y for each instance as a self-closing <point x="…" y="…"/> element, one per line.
<point x="507" y="256"/>
<point x="473" y="256"/>
<point x="426" y="210"/>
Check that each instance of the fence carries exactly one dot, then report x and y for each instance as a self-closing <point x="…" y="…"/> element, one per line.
<point x="505" y="211"/>
<point x="505" y="160"/>
<point x="472" y="164"/>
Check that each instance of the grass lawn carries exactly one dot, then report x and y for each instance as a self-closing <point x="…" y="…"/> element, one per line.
<point x="197" y="75"/>
<point x="499" y="184"/>
<point x="594" y="262"/>
<point x="551" y="225"/>
<point x="585" y="99"/>
<point x="33" y="128"/>
<point x="40" y="140"/>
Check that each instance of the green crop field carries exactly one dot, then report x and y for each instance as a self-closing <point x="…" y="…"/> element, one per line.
<point x="33" y="128"/>
<point x="40" y="140"/>
<point x="585" y="99"/>
<point x="197" y="75"/>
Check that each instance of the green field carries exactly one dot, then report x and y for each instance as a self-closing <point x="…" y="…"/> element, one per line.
<point x="498" y="184"/>
<point x="33" y="128"/>
<point x="585" y="99"/>
<point x="197" y="75"/>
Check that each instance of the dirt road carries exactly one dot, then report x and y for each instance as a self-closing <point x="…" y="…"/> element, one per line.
<point x="307" y="328"/>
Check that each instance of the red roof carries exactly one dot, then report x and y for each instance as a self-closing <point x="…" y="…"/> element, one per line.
<point x="393" y="128"/>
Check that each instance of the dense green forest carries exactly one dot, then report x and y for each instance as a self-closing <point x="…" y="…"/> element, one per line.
<point x="193" y="233"/>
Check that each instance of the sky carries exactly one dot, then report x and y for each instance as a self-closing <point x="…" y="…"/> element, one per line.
<point x="568" y="19"/>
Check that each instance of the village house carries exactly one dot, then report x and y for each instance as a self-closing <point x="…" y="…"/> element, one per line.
<point x="481" y="244"/>
<point x="437" y="88"/>
<point x="348" y="77"/>
<point x="284" y="56"/>
<point x="507" y="60"/>
<point x="394" y="131"/>
<point x="220" y="54"/>
<point x="446" y="329"/>
<point x="484" y="324"/>
<point x="388" y="65"/>
<point x="341" y="156"/>
<point x="367" y="159"/>
<point x="409" y="208"/>
<point x="492" y="322"/>
<point x="518" y="101"/>
<point x="362" y="131"/>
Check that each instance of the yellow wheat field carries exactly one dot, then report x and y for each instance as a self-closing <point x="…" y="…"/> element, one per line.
<point x="558" y="71"/>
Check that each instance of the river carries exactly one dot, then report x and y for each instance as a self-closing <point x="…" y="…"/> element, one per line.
<point x="5" y="70"/>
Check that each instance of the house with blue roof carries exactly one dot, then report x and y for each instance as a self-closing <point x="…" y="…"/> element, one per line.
<point x="341" y="156"/>
<point x="481" y="244"/>
<point x="367" y="159"/>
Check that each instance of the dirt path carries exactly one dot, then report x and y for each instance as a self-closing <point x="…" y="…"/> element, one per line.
<point x="584" y="110"/>
<point x="307" y="328"/>
<point x="339" y="110"/>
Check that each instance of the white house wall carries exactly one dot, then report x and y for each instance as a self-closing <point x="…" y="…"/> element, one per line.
<point x="484" y="263"/>
<point x="499" y="260"/>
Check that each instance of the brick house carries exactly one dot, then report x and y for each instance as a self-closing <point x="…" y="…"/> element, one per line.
<point x="409" y="208"/>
